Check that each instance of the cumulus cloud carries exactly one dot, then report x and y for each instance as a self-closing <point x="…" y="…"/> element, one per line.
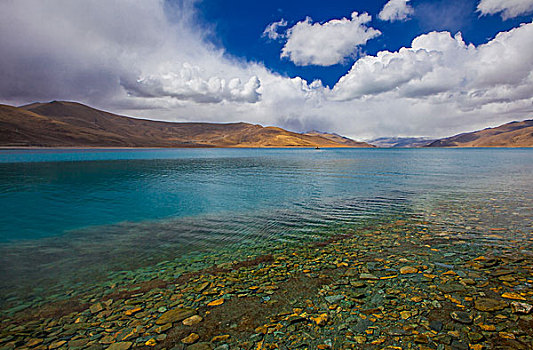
<point x="445" y="68"/>
<point x="329" y="43"/>
<point x="86" y="51"/>
<point x="507" y="8"/>
<point x="396" y="10"/>
<point x="153" y="61"/>
<point x="271" y="30"/>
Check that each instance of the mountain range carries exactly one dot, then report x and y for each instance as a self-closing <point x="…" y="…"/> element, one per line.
<point x="401" y="142"/>
<point x="71" y="124"/>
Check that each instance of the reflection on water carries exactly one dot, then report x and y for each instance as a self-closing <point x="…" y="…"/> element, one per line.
<point x="76" y="216"/>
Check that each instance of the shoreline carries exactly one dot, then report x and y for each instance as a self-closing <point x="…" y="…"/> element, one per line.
<point x="415" y="286"/>
<point x="9" y="148"/>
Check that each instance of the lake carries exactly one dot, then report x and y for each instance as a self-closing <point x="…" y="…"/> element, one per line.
<point x="73" y="220"/>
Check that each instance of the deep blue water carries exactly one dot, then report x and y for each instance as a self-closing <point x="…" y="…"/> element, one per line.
<point x="49" y="192"/>
<point x="72" y="213"/>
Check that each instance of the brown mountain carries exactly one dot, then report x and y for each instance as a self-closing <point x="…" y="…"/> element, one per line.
<point x="514" y="134"/>
<point x="70" y="124"/>
<point x="339" y="139"/>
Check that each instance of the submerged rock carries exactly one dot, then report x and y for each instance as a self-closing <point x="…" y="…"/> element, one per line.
<point x="487" y="304"/>
<point x="462" y="317"/>
<point x="521" y="308"/>
<point x="175" y="315"/>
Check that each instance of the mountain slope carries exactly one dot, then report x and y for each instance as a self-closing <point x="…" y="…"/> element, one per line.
<point x="338" y="138"/>
<point x="70" y="124"/>
<point x="514" y="134"/>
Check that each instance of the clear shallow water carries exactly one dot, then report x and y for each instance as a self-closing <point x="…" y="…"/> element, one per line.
<point x="78" y="214"/>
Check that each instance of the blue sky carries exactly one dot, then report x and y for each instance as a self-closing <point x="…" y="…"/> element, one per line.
<point x="363" y="69"/>
<point x="238" y="27"/>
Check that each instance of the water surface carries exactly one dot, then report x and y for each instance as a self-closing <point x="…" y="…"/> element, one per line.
<point x="77" y="215"/>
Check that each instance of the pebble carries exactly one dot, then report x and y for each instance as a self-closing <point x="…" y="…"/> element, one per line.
<point x="407" y="270"/>
<point x="191" y="338"/>
<point x="95" y="308"/>
<point x="368" y="276"/>
<point x="461" y="316"/>
<point x="521" y="308"/>
<point x="487" y="304"/>
<point x="120" y="346"/>
<point x="192" y="320"/>
<point x="332" y="299"/>
<point x="175" y="315"/>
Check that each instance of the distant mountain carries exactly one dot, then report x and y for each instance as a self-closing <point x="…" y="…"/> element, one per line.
<point x="401" y="142"/>
<point x="70" y="124"/>
<point x="514" y="134"/>
<point x="338" y="138"/>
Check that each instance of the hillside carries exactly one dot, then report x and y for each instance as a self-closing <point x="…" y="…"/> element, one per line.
<point x="338" y="138"/>
<point x="514" y="134"/>
<point x="70" y="124"/>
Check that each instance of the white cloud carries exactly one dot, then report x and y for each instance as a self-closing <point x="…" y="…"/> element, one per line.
<point x="507" y="8"/>
<point x="86" y="51"/>
<point x="440" y="66"/>
<point x="271" y="30"/>
<point x="442" y="72"/>
<point x="396" y="10"/>
<point x="327" y="44"/>
<point x="153" y="62"/>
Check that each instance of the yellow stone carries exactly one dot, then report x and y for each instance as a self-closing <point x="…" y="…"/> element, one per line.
<point x="57" y="344"/>
<point x="379" y="341"/>
<point x="150" y="342"/>
<point x="360" y="339"/>
<point x="192" y="320"/>
<point x="190" y="339"/>
<point x="321" y="319"/>
<point x="216" y="302"/>
<point x="506" y="335"/>
<point x="132" y="311"/>
<point x="405" y="315"/>
<point x="408" y="269"/>
<point x="514" y="296"/>
<point x="487" y="327"/>
<point x="388" y="277"/>
<point x="220" y="338"/>
<point x="34" y="342"/>
<point x="262" y="329"/>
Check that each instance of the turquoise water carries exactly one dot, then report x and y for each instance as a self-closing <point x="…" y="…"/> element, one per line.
<point x="100" y="210"/>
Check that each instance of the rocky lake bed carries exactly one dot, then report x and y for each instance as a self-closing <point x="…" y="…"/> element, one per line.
<point x="399" y="284"/>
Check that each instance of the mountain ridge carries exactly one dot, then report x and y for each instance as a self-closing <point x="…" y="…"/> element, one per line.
<point x="72" y="124"/>
<point x="513" y="134"/>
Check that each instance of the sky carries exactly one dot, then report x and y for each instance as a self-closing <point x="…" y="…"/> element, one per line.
<point x="364" y="69"/>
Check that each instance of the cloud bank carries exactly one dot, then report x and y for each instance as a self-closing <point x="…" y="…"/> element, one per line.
<point x="507" y="8"/>
<point x="153" y="61"/>
<point x="396" y="10"/>
<point x="327" y="44"/>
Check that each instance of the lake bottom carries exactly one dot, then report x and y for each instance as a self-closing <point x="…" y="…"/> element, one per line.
<point x="441" y="278"/>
